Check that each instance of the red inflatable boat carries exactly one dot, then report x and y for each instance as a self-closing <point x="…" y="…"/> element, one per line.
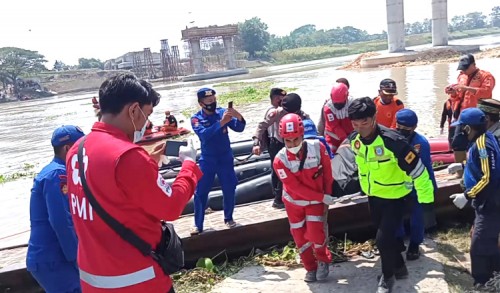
<point x="441" y="153"/>
<point x="159" y="135"/>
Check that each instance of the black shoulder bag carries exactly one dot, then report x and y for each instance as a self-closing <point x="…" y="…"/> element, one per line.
<point x="168" y="254"/>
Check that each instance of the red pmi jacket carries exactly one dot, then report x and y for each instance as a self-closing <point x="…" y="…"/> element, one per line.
<point x="305" y="187"/>
<point x="126" y="183"/>
<point x="337" y="124"/>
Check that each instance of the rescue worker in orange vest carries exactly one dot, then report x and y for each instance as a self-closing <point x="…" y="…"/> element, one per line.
<point x="387" y="103"/>
<point x="125" y="181"/>
<point x="304" y="168"/>
<point x="338" y="125"/>
<point x="472" y="85"/>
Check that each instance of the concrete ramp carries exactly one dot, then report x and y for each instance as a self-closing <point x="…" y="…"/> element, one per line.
<point x="356" y="276"/>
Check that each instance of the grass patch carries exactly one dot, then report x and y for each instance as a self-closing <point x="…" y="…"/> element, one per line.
<point x="241" y="93"/>
<point x="27" y="172"/>
<point x="338" y="50"/>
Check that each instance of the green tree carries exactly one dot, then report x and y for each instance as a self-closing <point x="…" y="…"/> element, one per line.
<point x="16" y="62"/>
<point x="254" y="36"/>
<point x="474" y="20"/>
<point x="495" y="16"/>
<point x="84" y="63"/>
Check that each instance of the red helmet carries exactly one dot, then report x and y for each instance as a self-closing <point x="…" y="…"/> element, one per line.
<point x="339" y="93"/>
<point x="291" y="126"/>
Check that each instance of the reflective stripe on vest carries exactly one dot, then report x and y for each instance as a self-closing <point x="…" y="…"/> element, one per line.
<point x="304" y="247"/>
<point x="297" y="225"/>
<point x="114" y="282"/>
<point x="313" y="159"/>
<point x="379" y="172"/>
<point x="342" y="113"/>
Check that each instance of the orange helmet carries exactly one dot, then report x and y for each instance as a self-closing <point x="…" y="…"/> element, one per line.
<point x="291" y="126"/>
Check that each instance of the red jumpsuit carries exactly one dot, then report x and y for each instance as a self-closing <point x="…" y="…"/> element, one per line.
<point x="337" y="124"/>
<point x="303" y="193"/>
<point x="126" y="183"/>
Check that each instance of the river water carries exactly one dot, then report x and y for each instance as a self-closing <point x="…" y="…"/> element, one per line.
<point x="26" y="127"/>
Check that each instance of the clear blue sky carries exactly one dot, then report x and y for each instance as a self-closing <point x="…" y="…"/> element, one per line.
<point x="67" y="30"/>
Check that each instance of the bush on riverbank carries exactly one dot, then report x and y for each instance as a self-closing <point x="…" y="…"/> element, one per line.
<point x="322" y="52"/>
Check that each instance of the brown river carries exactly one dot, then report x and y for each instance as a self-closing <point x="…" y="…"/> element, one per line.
<point x="26" y="127"/>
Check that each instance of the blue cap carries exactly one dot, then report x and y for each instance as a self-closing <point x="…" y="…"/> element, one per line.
<point x="309" y="129"/>
<point x="470" y="116"/>
<point x="66" y="134"/>
<point x="406" y="117"/>
<point x="205" y="92"/>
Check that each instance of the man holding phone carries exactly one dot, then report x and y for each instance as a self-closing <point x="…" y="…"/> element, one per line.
<point x="211" y="125"/>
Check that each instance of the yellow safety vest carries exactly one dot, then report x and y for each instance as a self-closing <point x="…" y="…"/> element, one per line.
<point x="379" y="173"/>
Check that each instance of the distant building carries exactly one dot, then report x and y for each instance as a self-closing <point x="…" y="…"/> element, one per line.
<point x="126" y="61"/>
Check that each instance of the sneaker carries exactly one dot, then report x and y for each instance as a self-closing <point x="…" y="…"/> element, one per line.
<point x="278" y="205"/>
<point x="230" y="224"/>
<point x="323" y="271"/>
<point x="194" y="231"/>
<point x="385" y="286"/>
<point x="413" y="252"/>
<point x="310" y="276"/>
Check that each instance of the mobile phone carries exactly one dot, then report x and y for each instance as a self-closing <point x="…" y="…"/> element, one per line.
<point x="172" y="147"/>
<point x="230" y="104"/>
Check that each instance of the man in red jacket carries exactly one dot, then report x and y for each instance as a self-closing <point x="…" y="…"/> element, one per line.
<point x="304" y="168"/>
<point x="125" y="181"/>
<point x="337" y="122"/>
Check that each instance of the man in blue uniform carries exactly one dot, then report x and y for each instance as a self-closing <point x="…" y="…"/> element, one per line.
<point x="406" y="123"/>
<point x="211" y="125"/>
<point x="52" y="247"/>
<point x="482" y="185"/>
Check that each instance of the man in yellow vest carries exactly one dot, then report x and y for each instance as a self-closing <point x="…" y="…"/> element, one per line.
<point x="389" y="168"/>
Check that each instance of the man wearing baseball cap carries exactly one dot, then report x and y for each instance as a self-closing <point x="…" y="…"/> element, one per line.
<point x="387" y="103"/>
<point x="482" y="183"/>
<point x="491" y="110"/>
<point x="51" y="256"/>
<point x="406" y="123"/>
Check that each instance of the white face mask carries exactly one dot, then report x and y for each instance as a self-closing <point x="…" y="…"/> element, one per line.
<point x="295" y="150"/>
<point x="138" y="134"/>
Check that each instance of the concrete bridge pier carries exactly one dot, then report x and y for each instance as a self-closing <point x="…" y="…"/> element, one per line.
<point x="395" y="25"/>
<point x="196" y="56"/>
<point x="229" y="52"/>
<point x="439" y="23"/>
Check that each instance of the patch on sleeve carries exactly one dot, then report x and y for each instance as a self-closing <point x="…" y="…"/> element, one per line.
<point x="410" y="157"/>
<point x="64" y="188"/>
<point x="330" y="117"/>
<point x="281" y="173"/>
<point x="483" y="154"/>
<point x="417" y="148"/>
<point x="164" y="186"/>
<point x="195" y="122"/>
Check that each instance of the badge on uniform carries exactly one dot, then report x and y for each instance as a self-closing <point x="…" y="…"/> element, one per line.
<point x="483" y="154"/>
<point x="281" y="173"/>
<point x="195" y="122"/>
<point x="417" y="148"/>
<point x="379" y="151"/>
<point x="410" y="157"/>
<point x="330" y="117"/>
<point x="63" y="185"/>
<point x="289" y="127"/>
<point x="357" y="144"/>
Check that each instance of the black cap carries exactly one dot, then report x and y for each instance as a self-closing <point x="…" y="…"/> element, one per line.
<point x="491" y="106"/>
<point x="466" y="61"/>
<point x="276" y="91"/>
<point x="362" y="108"/>
<point x="388" y="87"/>
<point x="291" y="103"/>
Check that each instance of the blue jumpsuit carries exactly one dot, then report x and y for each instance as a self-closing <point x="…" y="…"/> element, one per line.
<point x="52" y="247"/>
<point x="216" y="158"/>
<point x="482" y="185"/>
<point x="417" y="227"/>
